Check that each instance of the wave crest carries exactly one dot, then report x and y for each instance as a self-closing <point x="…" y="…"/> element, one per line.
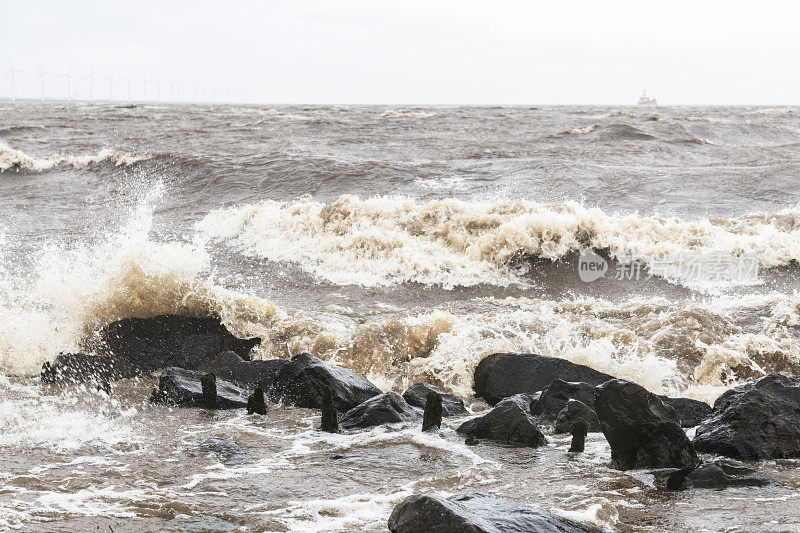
<point x="388" y="240"/>
<point x="11" y="159"/>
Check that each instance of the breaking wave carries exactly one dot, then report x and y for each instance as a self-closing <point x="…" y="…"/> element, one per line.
<point x="692" y="347"/>
<point x="581" y="131"/>
<point x="391" y="240"/>
<point x="11" y="159"/>
<point x="399" y="113"/>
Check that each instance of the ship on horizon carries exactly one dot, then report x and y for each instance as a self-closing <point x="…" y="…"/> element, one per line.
<point x="646" y="100"/>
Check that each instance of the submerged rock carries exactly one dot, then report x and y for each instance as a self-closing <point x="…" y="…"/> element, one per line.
<point x="302" y="380"/>
<point x="642" y="430"/>
<point x="172" y="340"/>
<point x="182" y="387"/>
<point x="476" y="513"/>
<point x="386" y="408"/>
<point x="690" y="412"/>
<point x="416" y="395"/>
<point x="757" y="420"/>
<point x="717" y="474"/>
<point x="226" y="449"/>
<point x="80" y="368"/>
<point x="230" y="366"/>
<point x="501" y="375"/>
<point x="576" y="410"/>
<point x="509" y="421"/>
<point x="555" y="396"/>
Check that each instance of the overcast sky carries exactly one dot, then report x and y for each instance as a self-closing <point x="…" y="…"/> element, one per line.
<point x="434" y="52"/>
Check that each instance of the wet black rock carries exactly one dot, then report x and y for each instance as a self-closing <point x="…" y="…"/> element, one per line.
<point x="256" y="403"/>
<point x="182" y="387"/>
<point x="510" y="421"/>
<point x="416" y="395"/>
<point x="81" y="368"/>
<point x="330" y="417"/>
<point x="690" y="412"/>
<point x="555" y="396"/>
<point x="432" y="416"/>
<point x="575" y="410"/>
<point x="757" y="420"/>
<point x="386" y="408"/>
<point x="302" y="380"/>
<point x="579" y="430"/>
<point x="230" y="366"/>
<point x="172" y="340"/>
<point x="501" y="375"/>
<point x="208" y="384"/>
<point x="642" y="430"/>
<point x="718" y="474"/>
<point x="476" y="513"/>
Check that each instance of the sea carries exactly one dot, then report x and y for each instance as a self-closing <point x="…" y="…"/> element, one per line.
<point x="657" y="244"/>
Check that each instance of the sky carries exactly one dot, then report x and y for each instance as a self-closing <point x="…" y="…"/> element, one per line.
<point x="409" y="52"/>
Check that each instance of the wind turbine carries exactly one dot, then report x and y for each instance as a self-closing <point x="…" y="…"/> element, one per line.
<point x="11" y="72"/>
<point x="128" y="80"/>
<point x="41" y="75"/>
<point x="69" y="79"/>
<point x="91" y="79"/>
<point x="110" y="81"/>
<point x="144" y="88"/>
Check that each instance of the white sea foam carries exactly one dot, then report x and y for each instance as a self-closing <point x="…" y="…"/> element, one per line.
<point x="399" y="113"/>
<point x="388" y="240"/>
<point x="585" y="129"/>
<point x="11" y="159"/>
<point x="666" y="346"/>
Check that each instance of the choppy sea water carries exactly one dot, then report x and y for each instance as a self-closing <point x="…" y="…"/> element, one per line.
<point x="406" y="244"/>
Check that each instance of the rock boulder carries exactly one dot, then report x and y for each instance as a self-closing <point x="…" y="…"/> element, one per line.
<point x="501" y="375"/>
<point x="642" y="430"/>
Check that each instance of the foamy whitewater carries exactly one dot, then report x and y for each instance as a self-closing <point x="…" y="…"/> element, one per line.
<point x="403" y="243"/>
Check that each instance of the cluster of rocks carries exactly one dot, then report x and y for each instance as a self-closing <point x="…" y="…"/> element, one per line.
<point x="203" y="365"/>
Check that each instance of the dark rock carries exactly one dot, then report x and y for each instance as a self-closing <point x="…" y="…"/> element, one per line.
<point x="386" y="408"/>
<point x="690" y="412"/>
<point x="416" y="395"/>
<point x="509" y="421"/>
<point x="432" y="417"/>
<point x="330" y="418"/>
<point x="642" y="430"/>
<point x="302" y="381"/>
<point x="258" y="373"/>
<point x="226" y="449"/>
<point x="80" y="368"/>
<point x="556" y="395"/>
<point x="580" y="428"/>
<point x="256" y="404"/>
<point x="757" y="420"/>
<point x="717" y="474"/>
<point x="179" y="386"/>
<point x="471" y="440"/>
<point x="208" y="383"/>
<point x="501" y="375"/>
<point x="171" y="340"/>
<point x="573" y="411"/>
<point x="476" y="513"/>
